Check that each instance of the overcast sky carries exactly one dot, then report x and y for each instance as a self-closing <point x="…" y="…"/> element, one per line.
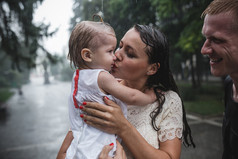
<point x="58" y="14"/>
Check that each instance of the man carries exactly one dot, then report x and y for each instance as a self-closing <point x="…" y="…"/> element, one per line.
<point x="220" y="29"/>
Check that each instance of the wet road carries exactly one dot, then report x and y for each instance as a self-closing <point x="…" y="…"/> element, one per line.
<point x="207" y="135"/>
<point x="35" y="124"/>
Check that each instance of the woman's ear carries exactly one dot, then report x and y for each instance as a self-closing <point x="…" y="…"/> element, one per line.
<point x="86" y="54"/>
<point x="153" y="68"/>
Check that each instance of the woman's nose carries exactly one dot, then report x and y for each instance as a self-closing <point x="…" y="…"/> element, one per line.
<point x="206" y="48"/>
<point x="118" y="55"/>
<point x="114" y="57"/>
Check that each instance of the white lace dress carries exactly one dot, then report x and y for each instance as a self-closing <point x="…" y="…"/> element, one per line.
<point x="169" y="121"/>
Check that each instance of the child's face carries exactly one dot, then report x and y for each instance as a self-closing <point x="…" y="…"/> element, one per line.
<point x="103" y="56"/>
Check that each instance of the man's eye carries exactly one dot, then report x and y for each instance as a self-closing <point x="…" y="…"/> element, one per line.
<point x="217" y="41"/>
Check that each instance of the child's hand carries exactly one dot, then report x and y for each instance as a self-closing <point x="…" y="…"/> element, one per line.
<point x="151" y="94"/>
<point x="104" y="153"/>
<point x="120" y="153"/>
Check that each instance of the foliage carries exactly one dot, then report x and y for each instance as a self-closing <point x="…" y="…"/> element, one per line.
<point x="5" y="94"/>
<point x="181" y="22"/>
<point x="120" y="14"/>
<point x="19" y="35"/>
<point x="9" y="77"/>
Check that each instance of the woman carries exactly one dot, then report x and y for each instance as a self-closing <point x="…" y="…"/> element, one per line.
<point x="155" y="130"/>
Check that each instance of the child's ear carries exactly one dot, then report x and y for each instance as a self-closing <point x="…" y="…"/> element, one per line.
<point x="86" y="54"/>
<point x="153" y="68"/>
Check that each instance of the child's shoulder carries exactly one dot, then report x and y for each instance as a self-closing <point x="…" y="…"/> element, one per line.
<point x="92" y="70"/>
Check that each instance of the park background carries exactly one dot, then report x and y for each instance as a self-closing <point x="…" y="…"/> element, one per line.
<point x="35" y="76"/>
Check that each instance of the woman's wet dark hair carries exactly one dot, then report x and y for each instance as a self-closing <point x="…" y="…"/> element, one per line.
<point x="157" y="49"/>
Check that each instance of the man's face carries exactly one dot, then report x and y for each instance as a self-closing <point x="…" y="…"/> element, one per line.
<point x="221" y="45"/>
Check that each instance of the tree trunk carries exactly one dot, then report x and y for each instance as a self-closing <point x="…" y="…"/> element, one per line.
<point x="194" y="84"/>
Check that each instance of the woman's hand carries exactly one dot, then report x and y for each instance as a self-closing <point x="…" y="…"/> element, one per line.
<point x="108" y="118"/>
<point x="120" y="153"/>
<point x="66" y="143"/>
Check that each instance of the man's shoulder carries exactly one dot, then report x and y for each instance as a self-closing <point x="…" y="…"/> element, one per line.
<point x="228" y="82"/>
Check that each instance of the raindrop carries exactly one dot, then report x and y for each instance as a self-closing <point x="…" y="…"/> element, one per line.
<point x="102" y="6"/>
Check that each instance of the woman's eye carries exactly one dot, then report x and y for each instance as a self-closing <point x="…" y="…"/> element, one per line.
<point x="130" y="55"/>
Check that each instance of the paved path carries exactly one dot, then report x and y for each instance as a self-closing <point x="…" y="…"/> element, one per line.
<point x="207" y="135"/>
<point x="34" y="125"/>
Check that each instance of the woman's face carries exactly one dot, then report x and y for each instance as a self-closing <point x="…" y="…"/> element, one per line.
<point x="131" y="59"/>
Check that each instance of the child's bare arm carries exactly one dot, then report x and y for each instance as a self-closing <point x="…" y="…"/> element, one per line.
<point x="128" y="95"/>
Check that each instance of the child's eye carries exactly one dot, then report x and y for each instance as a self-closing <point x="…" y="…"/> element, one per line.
<point x="111" y="51"/>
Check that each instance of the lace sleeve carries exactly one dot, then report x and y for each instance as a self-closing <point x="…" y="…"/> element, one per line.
<point x="171" y="125"/>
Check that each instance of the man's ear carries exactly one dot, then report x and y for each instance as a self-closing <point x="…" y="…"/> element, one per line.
<point x="153" y="68"/>
<point x="86" y="54"/>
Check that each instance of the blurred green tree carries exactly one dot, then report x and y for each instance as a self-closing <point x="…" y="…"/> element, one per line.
<point x="20" y="40"/>
<point x="19" y="36"/>
<point x="121" y="14"/>
<point x="181" y="22"/>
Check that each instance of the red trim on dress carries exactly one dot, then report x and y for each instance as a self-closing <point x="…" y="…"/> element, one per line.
<point x="76" y="88"/>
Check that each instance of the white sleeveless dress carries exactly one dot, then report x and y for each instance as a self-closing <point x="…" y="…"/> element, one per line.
<point x="88" y="141"/>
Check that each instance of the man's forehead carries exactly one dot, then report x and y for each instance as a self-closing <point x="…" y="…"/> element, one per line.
<point x="217" y="23"/>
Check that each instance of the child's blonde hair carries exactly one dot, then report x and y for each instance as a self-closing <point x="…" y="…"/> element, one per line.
<point x="86" y="34"/>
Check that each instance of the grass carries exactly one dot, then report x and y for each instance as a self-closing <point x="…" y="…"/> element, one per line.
<point x="205" y="101"/>
<point x="5" y="94"/>
<point x="205" y="108"/>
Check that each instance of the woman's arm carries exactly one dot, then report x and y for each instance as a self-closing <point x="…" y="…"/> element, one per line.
<point x="67" y="141"/>
<point x="110" y="119"/>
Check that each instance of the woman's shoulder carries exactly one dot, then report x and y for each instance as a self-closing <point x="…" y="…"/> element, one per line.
<point x="172" y="100"/>
<point x="171" y="95"/>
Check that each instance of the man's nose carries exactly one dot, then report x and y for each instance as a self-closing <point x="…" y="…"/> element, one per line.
<point x="206" y="48"/>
